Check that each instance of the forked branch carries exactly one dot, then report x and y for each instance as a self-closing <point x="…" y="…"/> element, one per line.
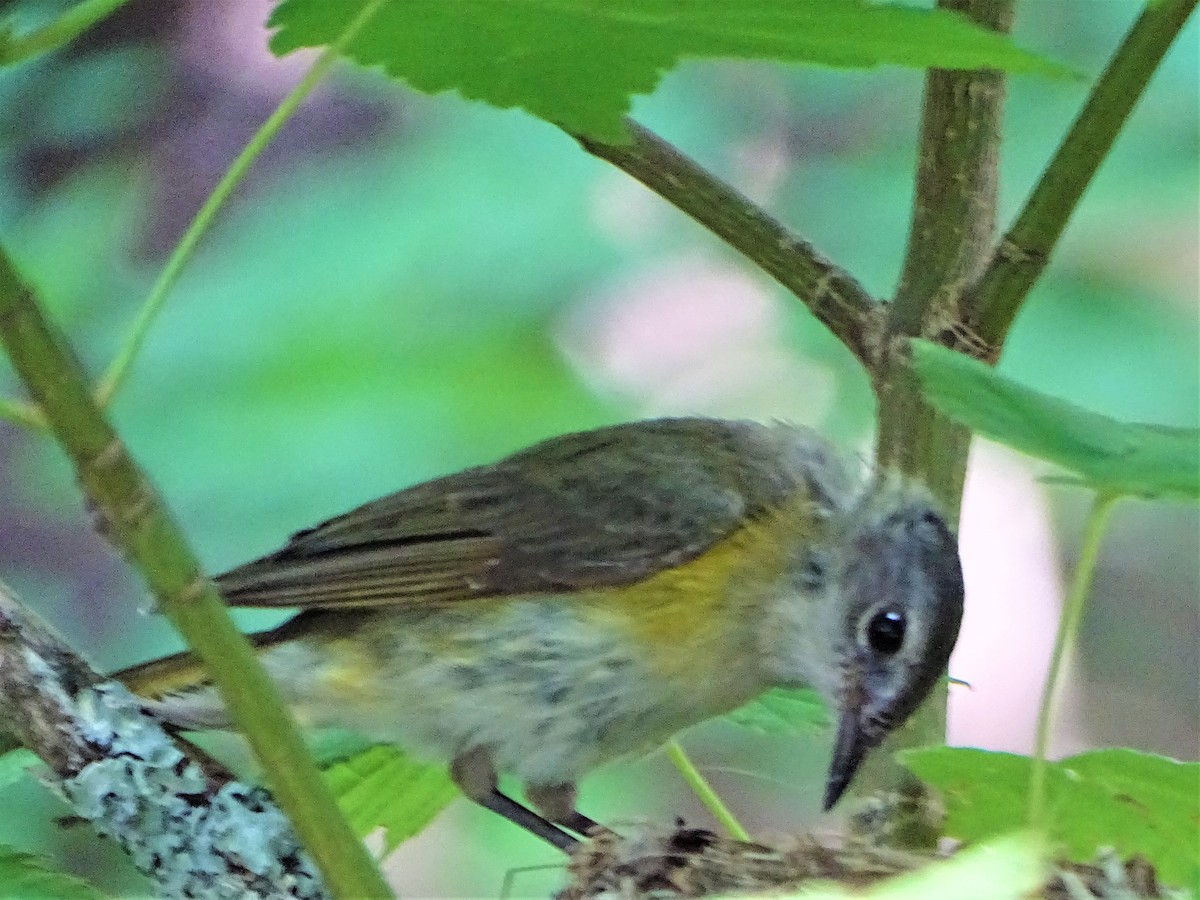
<point x="993" y="302"/>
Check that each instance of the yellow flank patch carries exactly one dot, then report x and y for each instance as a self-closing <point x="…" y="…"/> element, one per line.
<point x="699" y="606"/>
<point x="349" y="670"/>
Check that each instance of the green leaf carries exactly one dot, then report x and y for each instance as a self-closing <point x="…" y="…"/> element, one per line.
<point x="577" y="62"/>
<point x="384" y="787"/>
<point x="1004" y="869"/>
<point x="783" y="711"/>
<point x="333" y="745"/>
<point x="13" y="765"/>
<point x="1109" y="456"/>
<point x="1135" y="802"/>
<point x="28" y="877"/>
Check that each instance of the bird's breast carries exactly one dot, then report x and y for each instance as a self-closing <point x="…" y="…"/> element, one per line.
<point x="552" y="685"/>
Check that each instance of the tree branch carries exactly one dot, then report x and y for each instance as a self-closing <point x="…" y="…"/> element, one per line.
<point x="953" y="223"/>
<point x="954" y="203"/>
<point x="833" y="295"/>
<point x="185" y="823"/>
<point x="993" y="302"/>
<point x="137" y="521"/>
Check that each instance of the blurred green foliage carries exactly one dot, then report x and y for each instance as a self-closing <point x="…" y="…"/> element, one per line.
<point x="386" y="300"/>
<point x="32" y="877"/>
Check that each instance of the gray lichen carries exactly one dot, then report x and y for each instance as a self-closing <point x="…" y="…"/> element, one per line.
<point x="160" y="806"/>
<point x="184" y="820"/>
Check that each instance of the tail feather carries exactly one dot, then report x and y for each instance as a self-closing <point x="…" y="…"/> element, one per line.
<point x="168" y="675"/>
<point x="184" y="671"/>
<point x="174" y="690"/>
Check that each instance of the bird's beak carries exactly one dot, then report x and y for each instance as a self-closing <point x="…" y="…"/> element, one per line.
<point x="849" y="750"/>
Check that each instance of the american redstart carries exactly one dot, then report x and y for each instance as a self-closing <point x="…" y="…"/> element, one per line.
<point x="590" y="596"/>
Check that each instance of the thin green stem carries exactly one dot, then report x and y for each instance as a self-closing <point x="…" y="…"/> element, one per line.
<point x="76" y="20"/>
<point x="136" y="520"/>
<point x="1064" y="642"/>
<point x="705" y="791"/>
<point x="25" y="414"/>
<point x="992" y="304"/>
<point x="119" y="370"/>
<point x="62" y="30"/>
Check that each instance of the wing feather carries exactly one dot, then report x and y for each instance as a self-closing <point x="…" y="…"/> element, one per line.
<point x="603" y="507"/>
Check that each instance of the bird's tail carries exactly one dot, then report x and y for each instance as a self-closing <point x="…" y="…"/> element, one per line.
<point x="168" y="675"/>
<point x="184" y="671"/>
<point x="177" y="689"/>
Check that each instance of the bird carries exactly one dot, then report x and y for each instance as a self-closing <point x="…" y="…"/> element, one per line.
<point x="585" y="599"/>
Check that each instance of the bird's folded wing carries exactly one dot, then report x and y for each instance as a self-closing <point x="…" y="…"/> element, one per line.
<point x="603" y="507"/>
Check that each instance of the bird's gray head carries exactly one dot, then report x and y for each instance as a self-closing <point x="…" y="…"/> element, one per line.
<point x="901" y="603"/>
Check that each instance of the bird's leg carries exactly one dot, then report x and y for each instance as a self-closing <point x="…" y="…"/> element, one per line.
<point x="475" y="776"/>
<point x="557" y="803"/>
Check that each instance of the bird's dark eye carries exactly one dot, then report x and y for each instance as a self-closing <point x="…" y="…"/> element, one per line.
<point x="885" y="631"/>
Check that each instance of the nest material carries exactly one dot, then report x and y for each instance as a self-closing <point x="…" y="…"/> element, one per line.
<point x="655" y="864"/>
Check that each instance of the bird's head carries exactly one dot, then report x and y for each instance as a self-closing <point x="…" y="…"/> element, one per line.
<point x="899" y="602"/>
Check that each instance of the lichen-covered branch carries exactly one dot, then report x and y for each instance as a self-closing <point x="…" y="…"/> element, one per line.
<point x="187" y="824"/>
<point x="1018" y="261"/>
<point x="831" y="293"/>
